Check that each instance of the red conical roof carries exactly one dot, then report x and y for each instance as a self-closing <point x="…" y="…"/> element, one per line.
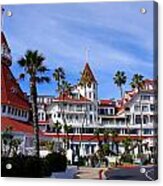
<point x="87" y="70"/>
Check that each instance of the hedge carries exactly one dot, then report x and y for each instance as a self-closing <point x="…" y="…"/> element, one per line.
<point x="33" y="167"/>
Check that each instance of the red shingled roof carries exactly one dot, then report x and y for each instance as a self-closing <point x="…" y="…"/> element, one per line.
<point x="87" y="70"/>
<point x="66" y="97"/>
<point x="106" y="102"/>
<point x="17" y="126"/>
<point x="11" y="93"/>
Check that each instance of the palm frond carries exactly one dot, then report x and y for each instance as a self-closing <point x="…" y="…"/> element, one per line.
<point x="43" y="79"/>
<point x="22" y="76"/>
<point x="42" y="69"/>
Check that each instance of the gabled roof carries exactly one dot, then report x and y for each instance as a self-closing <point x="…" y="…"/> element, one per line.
<point x="11" y="93"/>
<point x="87" y="70"/>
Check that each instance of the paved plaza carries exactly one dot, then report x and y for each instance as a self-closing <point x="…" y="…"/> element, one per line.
<point x="146" y="173"/>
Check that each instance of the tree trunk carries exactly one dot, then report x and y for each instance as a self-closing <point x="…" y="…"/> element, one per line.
<point x="33" y="94"/>
<point x="121" y="91"/>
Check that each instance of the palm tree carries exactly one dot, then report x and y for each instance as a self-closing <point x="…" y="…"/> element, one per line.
<point x="120" y="79"/>
<point x="67" y="129"/>
<point x="137" y="83"/>
<point x="114" y="135"/>
<point x="97" y="134"/>
<point x="32" y="65"/>
<point x="107" y="133"/>
<point x="57" y="127"/>
<point x="59" y="76"/>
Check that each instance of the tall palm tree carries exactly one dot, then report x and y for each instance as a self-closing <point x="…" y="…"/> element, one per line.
<point x="120" y="79"/>
<point x="63" y="87"/>
<point x="33" y="66"/>
<point x="59" y="76"/>
<point x="57" y="127"/>
<point x="137" y="83"/>
<point x="67" y="129"/>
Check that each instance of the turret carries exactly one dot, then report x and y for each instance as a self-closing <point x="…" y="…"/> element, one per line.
<point x="90" y="91"/>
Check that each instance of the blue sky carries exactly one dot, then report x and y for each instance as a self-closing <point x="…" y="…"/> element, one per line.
<point x="118" y="36"/>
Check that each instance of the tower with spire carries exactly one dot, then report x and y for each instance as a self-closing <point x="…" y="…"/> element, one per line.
<point x="88" y="88"/>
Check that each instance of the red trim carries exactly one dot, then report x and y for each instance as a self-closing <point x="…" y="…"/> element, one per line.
<point x="17" y="126"/>
<point x="85" y="137"/>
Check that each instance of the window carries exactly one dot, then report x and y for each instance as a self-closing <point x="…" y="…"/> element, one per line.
<point x="90" y="118"/>
<point x="25" y="114"/>
<point x="79" y="108"/>
<point x="4" y="108"/>
<point x="147" y="131"/>
<point x="90" y="95"/>
<point x="145" y="119"/>
<point x="152" y="107"/>
<point x="138" y="119"/>
<point x="77" y="117"/>
<point x="12" y="111"/>
<point x="59" y="115"/>
<point x="145" y="97"/>
<point x="9" y="110"/>
<point x="90" y="107"/>
<point x="137" y="108"/>
<point x="16" y="112"/>
<point x="19" y="112"/>
<point x="145" y="108"/>
<point x="111" y="111"/>
<point x="94" y="96"/>
<point x="103" y="111"/>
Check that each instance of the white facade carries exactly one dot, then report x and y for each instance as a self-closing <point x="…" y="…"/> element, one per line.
<point x="84" y="112"/>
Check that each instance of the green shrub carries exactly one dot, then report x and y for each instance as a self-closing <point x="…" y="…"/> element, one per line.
<point x="57" y="162"/>
<point x="17" y="167"/>
<point x="127" y="158"/>
<point x="24" y="167"/>
<point x="33" y="167"/>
